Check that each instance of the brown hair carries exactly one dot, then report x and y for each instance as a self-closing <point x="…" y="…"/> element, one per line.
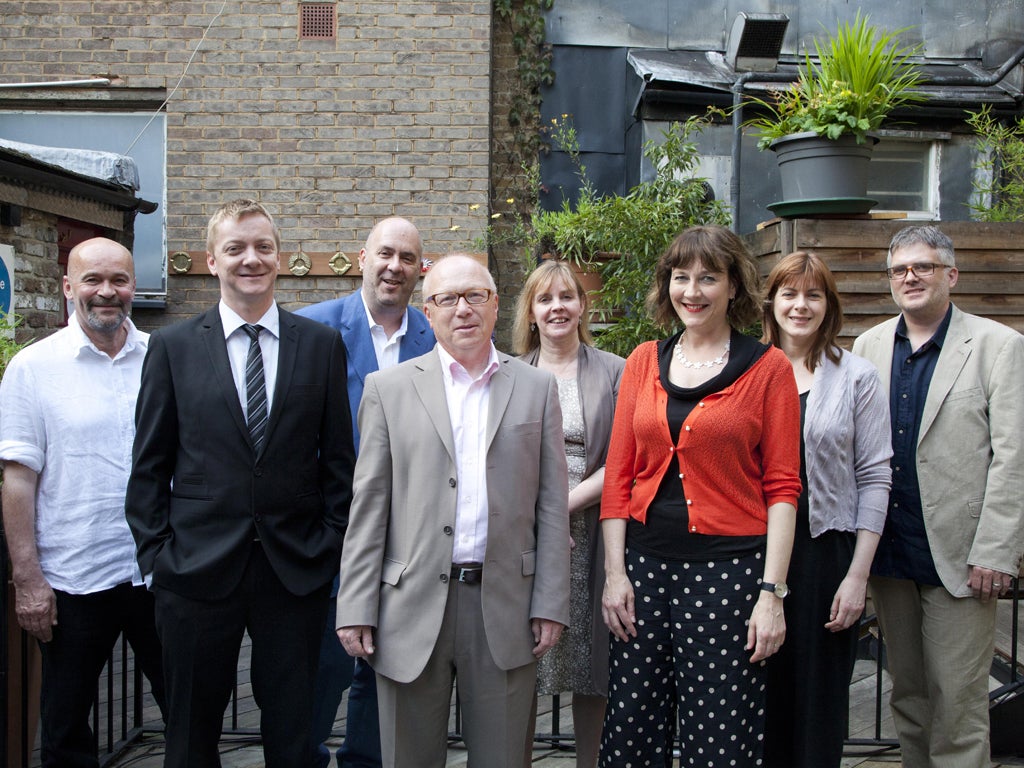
<point x="803" y="269"/>
<point x="718" y="250"/>
<point x="236" y="209"/>
<point x="525" y="338"/>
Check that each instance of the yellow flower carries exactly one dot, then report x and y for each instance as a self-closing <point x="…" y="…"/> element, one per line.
<point x="474" y="206"/>
<point x="510" y="200"/>
<point x="455" y="228"/>
<point x="495" y="215"/>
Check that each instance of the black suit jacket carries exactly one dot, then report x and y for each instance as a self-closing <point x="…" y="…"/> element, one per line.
<point x="199" y="495"/>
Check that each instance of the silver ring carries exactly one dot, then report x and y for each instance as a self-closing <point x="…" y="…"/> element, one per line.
<point x="997" y="584"/>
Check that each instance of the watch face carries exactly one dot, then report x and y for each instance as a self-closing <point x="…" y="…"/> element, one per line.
<point x="781" y="590"/>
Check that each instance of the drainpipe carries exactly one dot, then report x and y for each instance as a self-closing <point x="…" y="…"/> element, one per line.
<point x="738" y="89"/>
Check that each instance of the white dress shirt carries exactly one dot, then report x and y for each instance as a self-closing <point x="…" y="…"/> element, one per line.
<point x="468" y="400"/>
<point x="237" y="341"/>
<point x="67" y="412"/>
<point x="386" y="349"/>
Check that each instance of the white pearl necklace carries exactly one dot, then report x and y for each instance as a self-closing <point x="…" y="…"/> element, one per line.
<point x="687" y="363"/>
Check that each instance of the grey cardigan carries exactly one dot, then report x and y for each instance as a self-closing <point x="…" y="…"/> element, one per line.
<point x="847" y="447"/>
<point x="597" y="375"/>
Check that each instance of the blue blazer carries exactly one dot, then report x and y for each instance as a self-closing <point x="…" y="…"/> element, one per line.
<point x="347" y="315"/>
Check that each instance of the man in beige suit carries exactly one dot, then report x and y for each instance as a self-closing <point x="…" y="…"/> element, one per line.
<point x="456" y="560"/>
<point x="955" y="530"/>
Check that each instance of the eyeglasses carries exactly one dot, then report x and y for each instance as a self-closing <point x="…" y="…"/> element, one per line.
<point x="472" y="296"/>
<point x="924" y="269"/>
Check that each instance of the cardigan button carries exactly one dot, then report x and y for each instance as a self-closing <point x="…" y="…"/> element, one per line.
<point x="687" y="427"/>
<point x="689" y="502"/>
<point x="700" y="404"/>
<point x="693" y="529"/>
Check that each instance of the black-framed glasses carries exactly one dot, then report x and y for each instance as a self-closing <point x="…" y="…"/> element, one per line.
<point x="923" y="269"/>
<point x="472" y="296"/>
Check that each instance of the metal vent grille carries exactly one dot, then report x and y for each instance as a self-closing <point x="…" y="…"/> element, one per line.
<point x="317" y="21"/>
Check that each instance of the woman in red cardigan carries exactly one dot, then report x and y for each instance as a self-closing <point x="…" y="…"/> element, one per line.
<point x="697" y="511"/>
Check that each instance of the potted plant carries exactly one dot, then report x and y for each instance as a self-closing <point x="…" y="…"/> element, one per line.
<point x="861" y="75"/>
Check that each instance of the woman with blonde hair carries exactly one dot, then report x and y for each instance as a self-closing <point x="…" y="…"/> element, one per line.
<point x="552" y="332"/>
<point x="845" y="447"/>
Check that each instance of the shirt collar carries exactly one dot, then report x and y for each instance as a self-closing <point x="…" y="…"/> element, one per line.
<point x="135" y="339"/>
<point x="374" y="324"/>
<point x="937" y="338"/>
<point x="271" y="320"/>
<point x="453" y="370"/>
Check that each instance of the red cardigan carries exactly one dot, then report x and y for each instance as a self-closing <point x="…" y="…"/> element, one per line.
<point x="739" y="449"/>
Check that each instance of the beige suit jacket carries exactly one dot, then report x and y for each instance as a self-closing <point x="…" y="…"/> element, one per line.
<point x="970" y="450"/>
<point x="398" y="550"/>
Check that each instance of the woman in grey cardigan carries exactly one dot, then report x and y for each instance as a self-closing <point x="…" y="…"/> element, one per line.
<point x="551" y="332"/>
<point x="845" y="445"/>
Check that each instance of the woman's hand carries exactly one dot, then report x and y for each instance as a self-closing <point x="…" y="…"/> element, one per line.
<point x="848" y="603"/>
<point x="767" y="627"/>
<point x="617" y="606"/>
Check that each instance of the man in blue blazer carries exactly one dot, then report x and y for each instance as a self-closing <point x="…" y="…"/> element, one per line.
<point x="380" y="330"/>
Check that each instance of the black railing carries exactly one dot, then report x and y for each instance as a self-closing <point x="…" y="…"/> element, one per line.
<point x="119" y="716"/>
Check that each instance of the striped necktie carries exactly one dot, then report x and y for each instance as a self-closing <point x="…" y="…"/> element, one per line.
<point x="255" y="387"/>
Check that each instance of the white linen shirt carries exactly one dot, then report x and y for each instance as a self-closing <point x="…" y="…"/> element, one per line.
<point x="67" y="412"/>
<point x="468" y="400"/>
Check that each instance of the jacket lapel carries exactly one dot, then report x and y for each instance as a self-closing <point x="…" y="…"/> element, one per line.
<point x="212" y="334"/>
<point x="356" y="332"/>
<point x="287" y="352"/>
<point x="429" y="386"/>
<point x="952" y="358"/>
<point x="498" y="397"/>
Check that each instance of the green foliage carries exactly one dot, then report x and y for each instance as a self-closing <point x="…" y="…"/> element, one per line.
<point x="8" y="346"/>
<point x="1001" y="159"/>
<point x="861" y="76"/>
<point x="533" y="63"/>
<point x="634" y="229"/>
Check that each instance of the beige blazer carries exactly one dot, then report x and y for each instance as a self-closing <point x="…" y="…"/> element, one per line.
<point x="398" y="549"/>
<point x="970" y="450"/>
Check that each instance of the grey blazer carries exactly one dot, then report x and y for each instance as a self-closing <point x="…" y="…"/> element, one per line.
<point x="598" y="374"/>
<point x="970" y="451"/>
<point x="398" y="549"/>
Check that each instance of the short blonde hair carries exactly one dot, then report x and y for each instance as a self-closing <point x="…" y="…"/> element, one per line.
<point x="236" y="209"/>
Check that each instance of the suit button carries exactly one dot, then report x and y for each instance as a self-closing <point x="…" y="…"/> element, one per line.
<point x="444" y="578"/>
<point x="447" y="530"/>
<point x="258" y="472"/>
<point x="451" y="481"/>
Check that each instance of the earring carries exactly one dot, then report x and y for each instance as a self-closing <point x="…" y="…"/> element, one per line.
<point x="533" y="327"/>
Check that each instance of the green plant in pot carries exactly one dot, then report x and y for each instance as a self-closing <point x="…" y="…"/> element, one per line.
<point x="860" y="76"/>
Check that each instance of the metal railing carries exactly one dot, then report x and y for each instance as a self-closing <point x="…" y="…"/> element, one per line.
<point x="118" y="715"/>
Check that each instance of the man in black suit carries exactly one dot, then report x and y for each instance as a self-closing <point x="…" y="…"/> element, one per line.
<point x="239" y="494"/>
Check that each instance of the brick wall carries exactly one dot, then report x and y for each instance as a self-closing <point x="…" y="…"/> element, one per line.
<point x="37" y="273"/>
<point x="391" y="118"/>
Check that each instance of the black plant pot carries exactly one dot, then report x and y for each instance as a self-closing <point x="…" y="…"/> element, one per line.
<point x="822" y="176"/>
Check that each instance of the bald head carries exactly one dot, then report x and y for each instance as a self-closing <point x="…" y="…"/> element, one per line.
<point x="462" y="329"/>
<point x="101" y="284"/>
<point x="390" y="262"/>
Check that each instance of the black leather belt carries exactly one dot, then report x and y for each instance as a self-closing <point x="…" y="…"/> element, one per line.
<point x="468" y="573"/>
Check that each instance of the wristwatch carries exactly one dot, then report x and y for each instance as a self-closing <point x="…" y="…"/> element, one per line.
<point x="780" y="590"/>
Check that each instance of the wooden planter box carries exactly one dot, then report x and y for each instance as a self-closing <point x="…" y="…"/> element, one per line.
<point x="990" y="258"/>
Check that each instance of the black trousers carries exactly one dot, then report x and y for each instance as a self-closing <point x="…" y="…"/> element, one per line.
<point x="201" y="640"/>
<point x="808" y="692"/>
<point x="87" y="628"/>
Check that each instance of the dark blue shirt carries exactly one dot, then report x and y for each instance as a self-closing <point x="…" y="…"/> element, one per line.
<point x="903" y="552"/>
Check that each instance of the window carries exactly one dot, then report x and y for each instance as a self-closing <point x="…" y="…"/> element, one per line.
<point x="904" y="176"/>
<point x="114" y="132"/>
